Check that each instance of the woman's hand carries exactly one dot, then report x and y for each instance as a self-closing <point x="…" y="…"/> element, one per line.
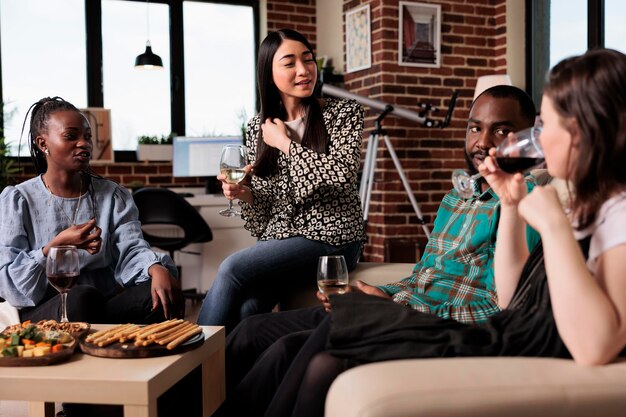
<point x="166" y="291"/>
<point x="84" y="236"/>
<point x="509" y="188"/>
<point x="542" y="210"/>
<point x="275" y="135"/>
<point x="240" y="190"/>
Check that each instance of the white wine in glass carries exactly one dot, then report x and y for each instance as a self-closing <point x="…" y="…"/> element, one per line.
<point x="332" y="275"/>
<point x="232" y="165"/>
<point x="63" y="269"/>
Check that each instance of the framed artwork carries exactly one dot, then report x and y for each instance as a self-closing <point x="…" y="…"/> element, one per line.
<point x="358" y="39"/>
<point x="419" y="40"/>
<point x="100" y="121"/>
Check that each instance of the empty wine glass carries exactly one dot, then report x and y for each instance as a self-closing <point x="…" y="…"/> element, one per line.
<point x="62" y="269"/>
<point x="332" y="275"/>
<point x="232" y="165"/>
<point x="517" y="153"/>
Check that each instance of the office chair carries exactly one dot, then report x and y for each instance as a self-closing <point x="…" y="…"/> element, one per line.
<point x="160" y="206"/>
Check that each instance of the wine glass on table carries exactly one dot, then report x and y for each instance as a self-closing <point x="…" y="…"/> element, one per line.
<point x="232" y="165"/>
<point x="62" y="269"/>
<point x="332" y="275"/>
<point x="518" y="152"/>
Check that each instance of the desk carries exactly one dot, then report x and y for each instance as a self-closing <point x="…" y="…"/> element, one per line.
<point x="135" y="383"/>
<point x="228" y="236"/>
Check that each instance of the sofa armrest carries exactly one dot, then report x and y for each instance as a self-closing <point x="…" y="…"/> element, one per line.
<point x="373" y="273"/>
<point x="485" y="387"/>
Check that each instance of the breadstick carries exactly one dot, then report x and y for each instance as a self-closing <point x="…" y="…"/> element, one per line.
<point x="166" y="332"/>
<point x="129" y="333"/>
<point x="184" y="337"/>
<point x="108" y="335"/>
<point x="173" y="336"/>
<point x="105" y="333"/>
<point x="161" y="326"/>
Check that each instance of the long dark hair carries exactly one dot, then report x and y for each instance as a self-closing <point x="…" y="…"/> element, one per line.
<point x="591" y="89"/>
<point x="315" y="135"/>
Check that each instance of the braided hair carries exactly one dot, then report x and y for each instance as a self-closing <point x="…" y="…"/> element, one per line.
<point x="40" y="113"/>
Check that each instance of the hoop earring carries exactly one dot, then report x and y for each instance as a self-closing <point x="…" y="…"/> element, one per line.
<point x="47" y="151"/>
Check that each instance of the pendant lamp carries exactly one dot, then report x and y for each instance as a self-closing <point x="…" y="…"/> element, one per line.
<point x="148" y="60"/>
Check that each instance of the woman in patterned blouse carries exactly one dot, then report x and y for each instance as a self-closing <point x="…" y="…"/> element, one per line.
<point x="301" y="198"/>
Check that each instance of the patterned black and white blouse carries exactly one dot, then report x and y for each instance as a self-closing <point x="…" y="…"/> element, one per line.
<point x="312" y="195"/>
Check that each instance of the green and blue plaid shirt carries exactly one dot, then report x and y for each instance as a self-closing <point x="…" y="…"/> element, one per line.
<point x="454" y="278"/>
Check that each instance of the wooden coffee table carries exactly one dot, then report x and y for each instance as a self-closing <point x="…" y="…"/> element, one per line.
<point x="134" y="383"/>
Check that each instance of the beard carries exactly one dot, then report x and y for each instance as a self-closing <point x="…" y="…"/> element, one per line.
<point x="469" y="158"/>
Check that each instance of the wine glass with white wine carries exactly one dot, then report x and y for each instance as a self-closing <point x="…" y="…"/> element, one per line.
<point x="232" y="165"/>
<point x="332" y="275"/>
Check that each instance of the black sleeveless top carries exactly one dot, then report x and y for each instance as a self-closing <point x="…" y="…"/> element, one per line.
<point x="370" y="329"/>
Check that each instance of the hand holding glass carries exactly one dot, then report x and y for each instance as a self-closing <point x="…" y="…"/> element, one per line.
<point x="517" y="153"/>
<point x="232" y="165"/>
<point x="332" y="275"/>
<point x="62" y="269"/>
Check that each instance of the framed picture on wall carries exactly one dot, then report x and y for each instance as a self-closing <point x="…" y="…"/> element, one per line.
<point x="419" y="41"/>
<point x="100" y="121"/>
<point x="358" y="39"/>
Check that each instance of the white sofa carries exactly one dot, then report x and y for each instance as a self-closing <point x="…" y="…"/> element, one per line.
<point x="467" y="387"/>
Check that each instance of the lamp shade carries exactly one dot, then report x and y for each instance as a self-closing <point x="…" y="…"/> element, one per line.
<point x="488" y="81"/>
<point x="148" y="60"/>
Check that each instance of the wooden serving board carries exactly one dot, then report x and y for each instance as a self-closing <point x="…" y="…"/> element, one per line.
<point x="129" y="350"/>
<point x="49" y="359"/>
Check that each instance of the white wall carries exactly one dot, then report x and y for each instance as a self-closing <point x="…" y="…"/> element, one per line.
<point x="330" y="32"/>
<point x="515" y="42"/>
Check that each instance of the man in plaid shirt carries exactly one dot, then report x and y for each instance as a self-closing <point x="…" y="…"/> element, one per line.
<point x="454" y="278"/>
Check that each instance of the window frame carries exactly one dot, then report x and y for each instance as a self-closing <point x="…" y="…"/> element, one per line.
<point x="538" y="39"/>
<point x="94" y="70"/>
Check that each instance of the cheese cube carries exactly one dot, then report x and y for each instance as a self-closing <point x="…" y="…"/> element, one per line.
<point x="41" y="350"/>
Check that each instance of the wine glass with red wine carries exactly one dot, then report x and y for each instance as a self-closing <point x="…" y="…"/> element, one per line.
<point x="518" y="152"/>
<point x="62" y="269"/>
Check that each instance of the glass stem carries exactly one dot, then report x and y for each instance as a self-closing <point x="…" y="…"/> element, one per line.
<point x="230" y="205"/>
<point x="64" y="307"/>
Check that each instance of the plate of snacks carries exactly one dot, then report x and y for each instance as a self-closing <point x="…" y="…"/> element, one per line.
<point x="137" y="341"/>
<point x="28" y="344"/>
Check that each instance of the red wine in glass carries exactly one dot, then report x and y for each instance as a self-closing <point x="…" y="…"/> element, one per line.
<point x="63" y="281"/>
<point x="62" y="270"/>
<point x="512" y="165"/>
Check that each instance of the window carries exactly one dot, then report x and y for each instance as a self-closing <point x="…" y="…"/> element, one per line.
<point x="556" y="29"/>
<point x="86" y="54"/>
<point x="568" y="29"/>
<point x="139" y="99"/>
<point x="219" y="76"/>
<point x="32" y="65"/>
<point x="615" y="29"/>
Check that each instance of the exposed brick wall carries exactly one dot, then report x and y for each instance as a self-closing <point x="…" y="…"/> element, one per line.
<point x="130" y="174"/>
<point x="473" y="43"/>
<point x="293" y="14"/>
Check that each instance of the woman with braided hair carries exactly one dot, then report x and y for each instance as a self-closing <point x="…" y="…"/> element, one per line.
<point x="68" y="204"/>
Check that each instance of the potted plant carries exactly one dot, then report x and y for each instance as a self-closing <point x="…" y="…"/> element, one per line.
<point x="153" y="148"/>
<point x="7" y="170"/>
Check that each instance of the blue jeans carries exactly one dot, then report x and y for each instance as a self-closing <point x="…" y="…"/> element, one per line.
<point x="252" y="280"/>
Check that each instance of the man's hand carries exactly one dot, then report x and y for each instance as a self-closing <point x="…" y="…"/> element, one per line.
<point x="84" y="236"/>
<point x="360" y="286"/>
<point x="166" y="291"/>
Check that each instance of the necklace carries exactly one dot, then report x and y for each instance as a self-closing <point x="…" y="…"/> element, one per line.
<point x="60" y="207"/>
